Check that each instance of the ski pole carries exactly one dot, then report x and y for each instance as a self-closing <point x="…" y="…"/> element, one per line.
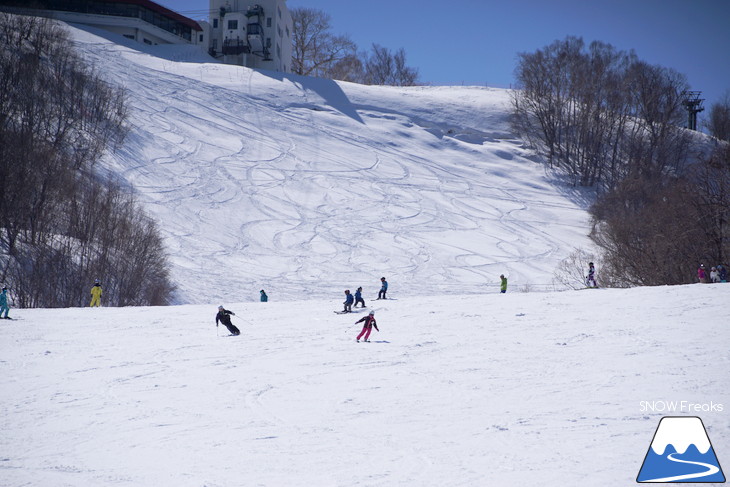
<point x="245" y="321"/>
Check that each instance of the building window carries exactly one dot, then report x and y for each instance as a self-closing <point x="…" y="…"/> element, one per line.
<point x="129" y="36"/>
<point x="201" y="38"/>
<point x="147" y="41"/>
<point x="268" y="42"/>
<point x="268" y="21"/>
<point x="279" y="9"/>
<point x="215" y="23"/>
<point x="232" y="24"/>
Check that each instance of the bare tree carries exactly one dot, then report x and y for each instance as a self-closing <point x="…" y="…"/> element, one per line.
<point x="382" y="67"/>
<point x="599" y="113"/>
<point x="349" y="68"/>
<point x="61" y="225"/>
<point x="719" y="120"/>
<point x="316" y="51"/>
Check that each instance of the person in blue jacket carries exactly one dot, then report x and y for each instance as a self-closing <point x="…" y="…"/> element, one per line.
<point x="264" y="297"/>
<point x="348" y="302"/>
<point x="358" y="297"/>
<point x="383" y="288"/>
<point x="4" y="303"/>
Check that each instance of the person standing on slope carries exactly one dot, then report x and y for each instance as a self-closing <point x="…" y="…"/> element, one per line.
<point x="224" y="316"/>
<point x="367" y="327"/>
<point x="503" y="284"/>
<point x="591" y="278"/>
<point x="358" y="297"/>
<point x="4" y="306"/>
<point x="383" y="288"/>
<point x="348" y="302"/>
<point x="702" y="274"/>
<point x="95" y="294"/>
<point x="264" y="297"/>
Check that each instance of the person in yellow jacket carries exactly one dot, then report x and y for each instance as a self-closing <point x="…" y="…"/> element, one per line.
<point x="96" y="294"/>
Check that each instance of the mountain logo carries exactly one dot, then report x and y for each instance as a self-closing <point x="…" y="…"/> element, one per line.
<point x="680" y="452"/>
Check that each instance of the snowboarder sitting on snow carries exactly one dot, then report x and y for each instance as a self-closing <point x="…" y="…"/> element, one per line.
<point x="358" y="297"/>
<point x="591" y="279"/>
<point x="368" y="326"/>
<point x="224" y="316"/>
<point x="264" y="297"/>
<point x="96" y="294"/>
<point x="503" y="284"/>
<point x="383" y="288"/>
<point x="348" y="302"/>
<point x="4" y="303"/>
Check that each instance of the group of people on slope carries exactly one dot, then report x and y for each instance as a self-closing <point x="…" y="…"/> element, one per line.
<point x="353" y="300"/>
<point x="716" y="274"/>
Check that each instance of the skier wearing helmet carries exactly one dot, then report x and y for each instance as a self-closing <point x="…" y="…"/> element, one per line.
<point x="224" y="316"/>
<point x="349" y="299"/>
<point x="367" y="327"/>
<point x="95" y="294"/>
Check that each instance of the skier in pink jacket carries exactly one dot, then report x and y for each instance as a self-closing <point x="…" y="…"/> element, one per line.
<point x="367" y="327"/>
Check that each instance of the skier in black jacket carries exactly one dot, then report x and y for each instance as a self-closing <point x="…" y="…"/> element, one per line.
<point x="224" y="316"/>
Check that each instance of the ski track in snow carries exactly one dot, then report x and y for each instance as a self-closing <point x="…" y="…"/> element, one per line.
<point x="304" y="186"/>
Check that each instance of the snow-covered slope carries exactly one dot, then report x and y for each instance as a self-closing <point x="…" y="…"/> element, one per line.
<point x="521" y="389"/>
<point x="306" y="187"/>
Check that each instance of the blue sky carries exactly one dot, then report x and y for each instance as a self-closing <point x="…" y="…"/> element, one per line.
<point x="476" y="41"/>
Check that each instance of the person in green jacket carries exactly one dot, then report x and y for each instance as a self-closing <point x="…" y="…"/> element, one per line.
<point x="4" y="303"/>
<point x="503" y="286"/>
<point x="264" y="297"/>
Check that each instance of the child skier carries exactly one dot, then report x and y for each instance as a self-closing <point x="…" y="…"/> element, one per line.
<point x="591" y="278"/>
<point x="503" y="284"/>
<point x="4" y="306"/>
<point x="722" y="272"/>
<point x="367" y="327"/>
<point x="358" y="297"/>
<point x="383" y="288"/>
<point x="348" y="302"/>
<point x="224" y="316"/>
<point x="95" y="294"/>
<point x="714" y="275"/>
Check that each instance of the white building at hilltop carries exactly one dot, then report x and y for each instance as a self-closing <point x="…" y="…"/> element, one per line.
<point x="252" y="33"/>
<point x="256" y="35"/>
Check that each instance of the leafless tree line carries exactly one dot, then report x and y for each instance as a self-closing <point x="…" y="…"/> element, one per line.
<point x="61" y="224"/>
<point x="615" y="123"/>
<point x="319" y="52"/>
<point x="599" y="113"/>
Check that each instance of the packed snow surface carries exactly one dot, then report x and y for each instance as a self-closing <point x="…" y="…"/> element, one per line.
<point x="513" y="389"/>
<point x="307" y="187"/>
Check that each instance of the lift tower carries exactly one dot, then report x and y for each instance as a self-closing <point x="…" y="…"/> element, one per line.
<point x="693" y="104"/>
